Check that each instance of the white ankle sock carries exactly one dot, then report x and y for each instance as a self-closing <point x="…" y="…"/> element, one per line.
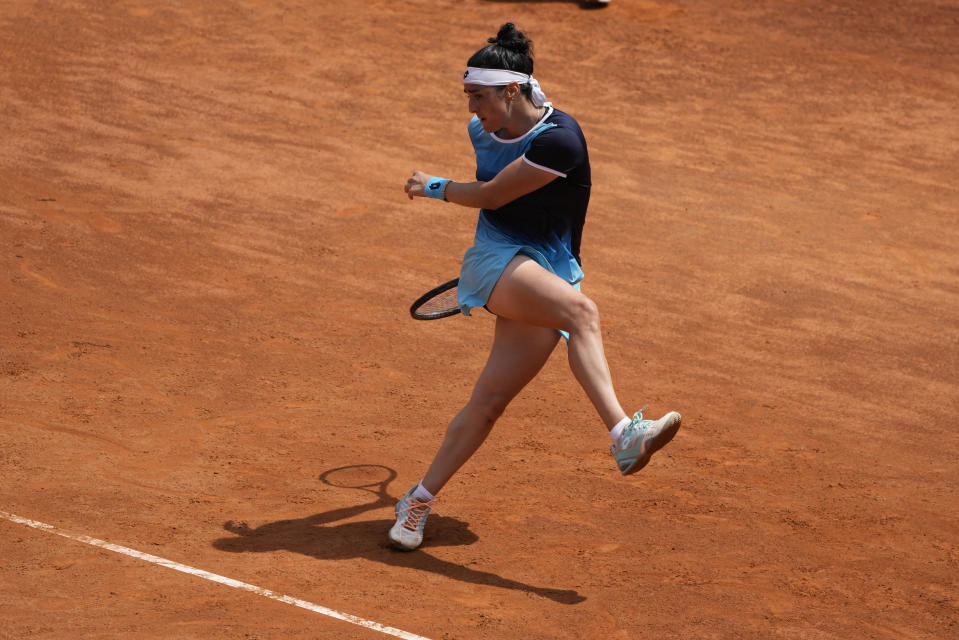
<point x="420" y="493"/>
<point x="617" y="431"/>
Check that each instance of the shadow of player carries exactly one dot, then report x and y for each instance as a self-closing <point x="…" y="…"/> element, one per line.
<point x="318" y="536"/>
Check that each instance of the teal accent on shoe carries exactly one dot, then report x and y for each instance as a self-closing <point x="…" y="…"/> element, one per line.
<point x="642" y="438"/>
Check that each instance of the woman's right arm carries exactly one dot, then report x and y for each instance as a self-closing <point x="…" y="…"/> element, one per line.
<point x="515" y="180"/>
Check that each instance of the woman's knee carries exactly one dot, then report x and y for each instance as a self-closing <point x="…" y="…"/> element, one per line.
<point x="584" y="315"/>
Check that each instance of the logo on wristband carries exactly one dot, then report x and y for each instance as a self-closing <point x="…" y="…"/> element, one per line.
<point x="435" y="185"/>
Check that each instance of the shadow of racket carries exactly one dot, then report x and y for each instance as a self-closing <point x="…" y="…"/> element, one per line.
<point x="372" y="478"/>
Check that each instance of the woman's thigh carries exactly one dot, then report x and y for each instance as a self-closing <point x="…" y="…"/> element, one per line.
<point x="519" y="352"/>
<point x="528" y="293"/>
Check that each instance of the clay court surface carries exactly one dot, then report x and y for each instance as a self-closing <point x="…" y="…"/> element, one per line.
<point x="207" y="260"/>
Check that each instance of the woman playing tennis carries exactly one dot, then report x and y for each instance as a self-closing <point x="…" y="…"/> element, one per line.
<point x="532" y="188"/>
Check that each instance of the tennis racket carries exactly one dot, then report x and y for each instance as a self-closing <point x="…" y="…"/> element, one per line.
<point x="440" y="302"/>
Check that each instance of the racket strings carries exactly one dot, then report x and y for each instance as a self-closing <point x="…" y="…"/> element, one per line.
<point x="441" y="302"/>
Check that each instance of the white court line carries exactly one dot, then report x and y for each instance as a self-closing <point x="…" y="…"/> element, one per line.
<point x="230" y="582"/>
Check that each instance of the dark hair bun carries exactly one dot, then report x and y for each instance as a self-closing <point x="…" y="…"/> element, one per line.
<point x="509" y="50"/>
<point x="510" y="38"/>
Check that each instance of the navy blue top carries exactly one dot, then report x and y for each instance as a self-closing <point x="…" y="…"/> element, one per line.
<point x="555" y="212"/>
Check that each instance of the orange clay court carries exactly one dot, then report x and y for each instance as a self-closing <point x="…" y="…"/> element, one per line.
<point x="208" y="259"/>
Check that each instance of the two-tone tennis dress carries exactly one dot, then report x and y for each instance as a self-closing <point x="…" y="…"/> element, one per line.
<point x="546" y="224"/>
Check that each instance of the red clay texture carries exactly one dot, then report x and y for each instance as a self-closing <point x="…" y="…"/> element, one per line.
<point x="207" y="260"/>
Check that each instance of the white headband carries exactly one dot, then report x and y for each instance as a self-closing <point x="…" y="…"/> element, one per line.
<point x="501" y="77"/>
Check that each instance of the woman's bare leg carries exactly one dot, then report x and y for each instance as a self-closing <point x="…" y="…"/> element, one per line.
<point x="528" y="293"/>
<point x="519" y="351"/>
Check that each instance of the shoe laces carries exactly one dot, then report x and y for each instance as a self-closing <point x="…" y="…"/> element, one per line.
<point x="638" y="416"/>
<point x="635" y="427"/>
<point x="416" y="511"/>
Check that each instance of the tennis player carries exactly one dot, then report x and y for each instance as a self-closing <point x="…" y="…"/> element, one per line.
<point x="532" y="188"/>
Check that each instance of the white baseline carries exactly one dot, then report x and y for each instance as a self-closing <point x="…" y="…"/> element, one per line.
<point x="230" y="582"/>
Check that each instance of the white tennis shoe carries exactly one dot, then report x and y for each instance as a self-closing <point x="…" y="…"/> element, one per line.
<point x="642" y="438"/>
<point x="411" y="514"/>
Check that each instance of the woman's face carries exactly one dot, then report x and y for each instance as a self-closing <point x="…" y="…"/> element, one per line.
<point x="488" y="104"/>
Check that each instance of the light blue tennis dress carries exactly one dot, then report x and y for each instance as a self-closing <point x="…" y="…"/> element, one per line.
<point x="545" y="225"/>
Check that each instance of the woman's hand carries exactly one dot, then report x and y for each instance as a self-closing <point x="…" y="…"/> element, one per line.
<point x="416" y="185"/>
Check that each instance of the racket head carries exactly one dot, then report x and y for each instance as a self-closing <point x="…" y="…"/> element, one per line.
<point x="370" y="477"/>
<point x="439" y="302"/>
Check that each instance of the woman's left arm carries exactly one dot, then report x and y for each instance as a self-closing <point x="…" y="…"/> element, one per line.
<point x="514" y="181"/>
